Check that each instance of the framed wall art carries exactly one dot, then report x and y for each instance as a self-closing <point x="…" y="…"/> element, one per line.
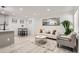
<point x="51" y="22"/>
<point x="14" y="20"/>
<point x="21" y="21"/>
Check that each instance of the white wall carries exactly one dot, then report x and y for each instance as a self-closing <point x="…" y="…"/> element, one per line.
<point x="59" y="28"/>
<point x="66" y="17"/>
<point x="2" y="19"/>
<point x="36" y="24"/>
<point x="15" y="26"/>
<point x="76" y="21"/>
<point x="31" y="25"/>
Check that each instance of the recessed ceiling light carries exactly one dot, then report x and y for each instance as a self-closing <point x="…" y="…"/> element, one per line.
<point x="48" y="9"/>
<point x="21" y="9"/>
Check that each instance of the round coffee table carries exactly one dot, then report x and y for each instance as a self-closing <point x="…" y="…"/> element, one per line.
<point x="40" y="39"/>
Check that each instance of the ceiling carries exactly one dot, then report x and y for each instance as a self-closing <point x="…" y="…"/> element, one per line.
<point x="38" y="11"/>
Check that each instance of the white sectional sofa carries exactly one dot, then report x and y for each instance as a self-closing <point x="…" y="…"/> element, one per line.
<point x="50" y="35"/>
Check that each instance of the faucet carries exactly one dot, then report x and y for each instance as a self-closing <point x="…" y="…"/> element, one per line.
<point x="4" y="25"/>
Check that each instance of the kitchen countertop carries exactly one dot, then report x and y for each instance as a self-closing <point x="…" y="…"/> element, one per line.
<point x="6" y="31"/>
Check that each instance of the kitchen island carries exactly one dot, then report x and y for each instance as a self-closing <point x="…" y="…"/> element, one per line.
<point x="6" y="38"/>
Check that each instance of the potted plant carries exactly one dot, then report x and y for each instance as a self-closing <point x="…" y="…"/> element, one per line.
<point x="66" y="25"/>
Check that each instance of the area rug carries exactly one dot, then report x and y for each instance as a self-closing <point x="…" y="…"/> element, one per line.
<point x="49" y="45"/>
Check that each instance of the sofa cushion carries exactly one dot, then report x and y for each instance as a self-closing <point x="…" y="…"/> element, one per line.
<point x="54" y="32"/>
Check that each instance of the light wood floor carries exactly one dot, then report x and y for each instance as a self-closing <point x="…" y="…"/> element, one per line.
<point x="28" y="45"/>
